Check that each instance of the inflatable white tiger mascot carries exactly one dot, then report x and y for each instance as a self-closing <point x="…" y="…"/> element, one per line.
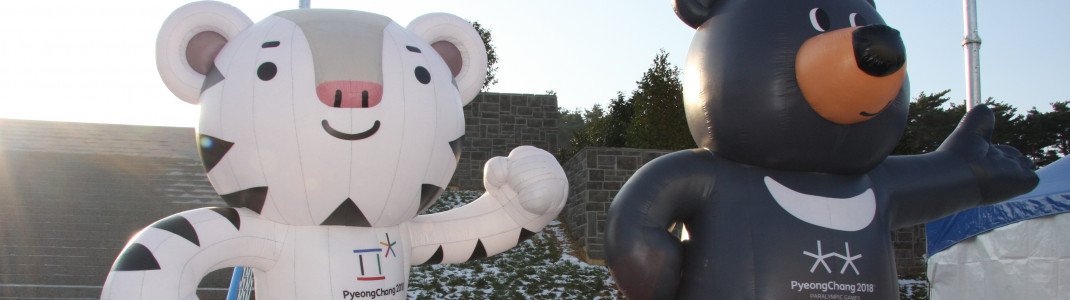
<point x="327" y="132"/>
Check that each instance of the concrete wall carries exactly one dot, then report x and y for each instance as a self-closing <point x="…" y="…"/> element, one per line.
<point x="495" y="123"/>
<point x="72" y="194"/>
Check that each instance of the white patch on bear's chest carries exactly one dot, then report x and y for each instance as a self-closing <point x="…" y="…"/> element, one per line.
<point x="846" y="214"/>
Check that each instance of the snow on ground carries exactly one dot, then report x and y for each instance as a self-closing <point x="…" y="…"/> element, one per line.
<point x="910" y="289"/>
<point x="539" y="268"/>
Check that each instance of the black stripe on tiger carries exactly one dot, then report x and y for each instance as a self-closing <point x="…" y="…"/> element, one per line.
<point x="252" y="198"/>
<point x="524" y="235"/>
<point x="136" y="257"/>
<point x="428" y="194"/>
<point x="211" y="79"/>
<point x="455" y="145"/>
<point x="479" y="252"/>
<point x="179" y="226"/>
<point x="435" y="259"/>
<point x="231" y="214"/>
<point x="347" y="214"/>
<point x="212" y="150"/>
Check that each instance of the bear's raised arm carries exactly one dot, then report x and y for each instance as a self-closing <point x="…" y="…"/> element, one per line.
<point x="645" y="258"/>
<point x="967" y="170"/>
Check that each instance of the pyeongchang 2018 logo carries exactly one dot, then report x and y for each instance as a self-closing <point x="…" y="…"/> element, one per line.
<point x="371" y="262"/>
<point x="833" y="290"/>
<point x="370" y="271"/>
<point x="820" y="257"/>
<point x="372" y="294"/>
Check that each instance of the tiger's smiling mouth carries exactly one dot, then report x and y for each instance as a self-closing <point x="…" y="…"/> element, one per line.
<point x="350" y="136"/>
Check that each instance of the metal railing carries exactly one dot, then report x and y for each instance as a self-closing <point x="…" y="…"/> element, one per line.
<point x="241" y="284"/>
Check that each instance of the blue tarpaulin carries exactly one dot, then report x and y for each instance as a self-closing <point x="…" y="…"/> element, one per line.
<point x="1052" y="196"/>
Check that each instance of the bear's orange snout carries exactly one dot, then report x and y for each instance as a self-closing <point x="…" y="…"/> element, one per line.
<point x="850" y="75"/>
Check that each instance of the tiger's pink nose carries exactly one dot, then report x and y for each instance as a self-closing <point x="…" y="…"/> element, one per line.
<point x="350" y="93"/>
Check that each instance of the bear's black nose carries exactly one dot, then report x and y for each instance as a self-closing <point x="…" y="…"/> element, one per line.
<point x="878" y="50"/>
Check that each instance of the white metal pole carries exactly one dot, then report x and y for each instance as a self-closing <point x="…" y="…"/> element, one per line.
<point x="304" y="3"/>
<point x="972" y="45"/>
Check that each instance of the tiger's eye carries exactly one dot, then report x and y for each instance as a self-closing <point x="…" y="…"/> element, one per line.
<point x="266" y="71"/>
<point x="422" y="75"/>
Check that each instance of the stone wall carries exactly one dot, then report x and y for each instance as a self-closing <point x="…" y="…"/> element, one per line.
<point x="596" y="174"/>
<point x="594" y="177"/>
<point x="909" y="246"/>
<point x="495" y="123"/>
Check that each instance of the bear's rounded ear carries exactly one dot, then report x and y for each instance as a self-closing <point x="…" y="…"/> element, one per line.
<point x="189" y="41"/>
<point x="695" y="12"/>
<point x="458" y="43"/>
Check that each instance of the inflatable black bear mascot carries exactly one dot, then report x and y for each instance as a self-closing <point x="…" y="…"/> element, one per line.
<point x="792" y="195"/>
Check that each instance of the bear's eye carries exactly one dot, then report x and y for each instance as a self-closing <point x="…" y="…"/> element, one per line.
<point x="819" y="19"/>
<point x="266" y="71"/>
<point x="422" y="75"/>
<point x="858" y="20"/>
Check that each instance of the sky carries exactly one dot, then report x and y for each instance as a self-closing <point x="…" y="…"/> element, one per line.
<point x="93" y="61"/>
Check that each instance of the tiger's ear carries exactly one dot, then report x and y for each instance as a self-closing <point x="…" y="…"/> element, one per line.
<point x="459" y="45"/>
<point x="695" y="12"/>
<point x="189" y="41"/>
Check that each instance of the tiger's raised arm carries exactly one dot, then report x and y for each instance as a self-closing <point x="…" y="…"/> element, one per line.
<point x="524" y="192"/>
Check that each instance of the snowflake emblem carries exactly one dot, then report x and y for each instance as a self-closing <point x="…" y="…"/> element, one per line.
<point x="820" y="257"/>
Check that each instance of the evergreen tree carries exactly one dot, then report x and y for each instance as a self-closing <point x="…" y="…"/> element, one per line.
<point x="590" y="133"/>
<point x="492" y="56"/>
<point x="600" y="128"/>
<point x="653" y="118"/>
<point x="1008" y="124"/>
<point x="1035" y="134"/>
<point x="1058" y="121"/>
<point x="569" y="121"/>
<point x="658" y="120"/>
<point x="1046" y="136"/>
<point x="621" y="115"/>
<point x="928" y="123"/>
